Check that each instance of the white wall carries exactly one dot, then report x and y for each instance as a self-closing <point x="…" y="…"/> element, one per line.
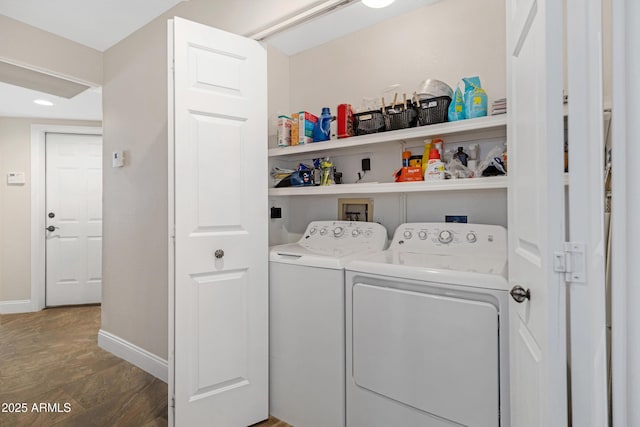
<point x="15" y="205"/>
<point x="27" y="45"/>
<point x="446" y="41"/>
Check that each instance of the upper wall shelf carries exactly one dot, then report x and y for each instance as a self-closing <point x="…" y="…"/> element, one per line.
<point x="430" y="131"/>
<point x="489" y="183"/>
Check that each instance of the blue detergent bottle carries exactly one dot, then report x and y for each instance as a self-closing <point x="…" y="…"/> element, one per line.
<point x="322" y="131"/>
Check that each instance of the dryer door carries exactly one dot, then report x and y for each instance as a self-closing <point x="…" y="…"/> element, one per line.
<point x="437" y="354"/>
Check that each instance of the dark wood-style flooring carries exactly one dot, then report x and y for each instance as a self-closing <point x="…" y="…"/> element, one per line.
<point x="52" y="357"/>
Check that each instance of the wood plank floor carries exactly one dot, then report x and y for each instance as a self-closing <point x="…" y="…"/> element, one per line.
<point x="53" y="357"/>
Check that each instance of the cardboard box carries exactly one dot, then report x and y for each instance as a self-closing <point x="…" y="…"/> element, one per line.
<point x="409" y="173"/>
<point x="294" y="129"/>
<point x="306" y="123"/>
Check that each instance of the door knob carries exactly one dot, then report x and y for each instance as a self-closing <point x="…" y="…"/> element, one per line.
<point x="219" y="253"/>
<point x="519" y="294"/>
<point x="51" y="228"/>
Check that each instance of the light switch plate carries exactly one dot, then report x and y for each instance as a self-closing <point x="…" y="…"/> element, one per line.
<point x="117" y="159"/>
<point x="16" y="178"/>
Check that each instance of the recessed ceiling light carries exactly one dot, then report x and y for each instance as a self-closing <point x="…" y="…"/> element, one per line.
<point x="377" y="4"/>
<point x="43" y="102"/>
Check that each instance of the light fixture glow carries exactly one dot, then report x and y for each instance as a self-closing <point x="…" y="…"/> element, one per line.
<point x="377" y="4"/>
<point x="43" y="102"/>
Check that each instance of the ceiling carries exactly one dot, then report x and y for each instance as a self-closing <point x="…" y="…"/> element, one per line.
<point x="98" y="24"/>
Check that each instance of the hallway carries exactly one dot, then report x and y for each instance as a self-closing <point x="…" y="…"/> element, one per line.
<point x="52" y="356"/>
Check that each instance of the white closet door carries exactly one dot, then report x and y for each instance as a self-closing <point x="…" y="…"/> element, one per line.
<point x="536" y="212"/>
<point x="219" y="277"/>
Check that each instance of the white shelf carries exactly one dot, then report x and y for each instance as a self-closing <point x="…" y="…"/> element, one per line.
<point x="488" y="183"/>
<point x="430" y="131"/>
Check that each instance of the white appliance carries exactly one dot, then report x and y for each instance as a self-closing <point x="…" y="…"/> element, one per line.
<point x="427" y="329"/>
<point x="306" y="321"/>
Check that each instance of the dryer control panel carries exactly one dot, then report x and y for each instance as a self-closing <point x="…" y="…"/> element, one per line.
<point x="344" y="236"/>
<point x="446" y="238"/>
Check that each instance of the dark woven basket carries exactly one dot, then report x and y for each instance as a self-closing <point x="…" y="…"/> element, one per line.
<point x="368" y="122"/>
<point x="433" y="110"/>
<point x="401" y="119"/>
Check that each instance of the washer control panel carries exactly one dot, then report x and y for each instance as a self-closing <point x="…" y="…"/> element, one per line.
<point x="431" y="237"/>
<point x="344" y="236"/>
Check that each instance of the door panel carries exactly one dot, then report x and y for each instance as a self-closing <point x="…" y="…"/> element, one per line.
<point x="536" y="211"/>
<point x="219" y="297"/>
<point x="74" y="196"/>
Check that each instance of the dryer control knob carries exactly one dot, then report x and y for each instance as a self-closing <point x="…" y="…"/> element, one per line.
<point x="407" y="234"/>
<point x="338" y="231"/>
<point x="422" y="235"/>
<point x="323" y="231"/>
<point x="313" y="231"/>
<point x="355" y="233"/>
<point x="471" y="237"/>
<point x="445" y="237"/>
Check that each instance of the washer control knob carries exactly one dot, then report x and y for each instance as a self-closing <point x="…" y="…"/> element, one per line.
<point x="471" y="237"/>
<point x="355" y="232"/>
<point x="338" y="231"/>
<point x="422" y="235"/>
<point x="313" y="231"/>
<point x="323" y="231"/>
<point x="407" y="234"/>
<point x="445" y="236"/>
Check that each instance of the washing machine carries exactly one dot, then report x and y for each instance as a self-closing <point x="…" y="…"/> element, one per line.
<point x="427" y="329"/>
<point x="306" y="320"/>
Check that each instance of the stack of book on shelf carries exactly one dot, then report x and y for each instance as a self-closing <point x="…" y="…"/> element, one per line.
<point x="499" y="106"/>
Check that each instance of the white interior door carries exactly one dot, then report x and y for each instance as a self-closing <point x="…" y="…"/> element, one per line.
<point x="586" y="213"/>
<point x="218" y="165"/>
<point x="73" y="219"/>
<point x="536" y="212"/>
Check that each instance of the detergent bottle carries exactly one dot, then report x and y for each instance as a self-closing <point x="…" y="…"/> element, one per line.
<point x="322" y="131"/>
<point x="425" y="155"/>
<point x="435" y="167"/>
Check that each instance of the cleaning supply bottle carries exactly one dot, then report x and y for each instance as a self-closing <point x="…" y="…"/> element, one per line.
<point x="425" y="155"/>
<point x="322" y="131"/>
<point x="435" y="167"/>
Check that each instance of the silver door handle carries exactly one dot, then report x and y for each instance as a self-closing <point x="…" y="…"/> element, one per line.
<point x="520" y="294"/>
<point x="51" y="228"/>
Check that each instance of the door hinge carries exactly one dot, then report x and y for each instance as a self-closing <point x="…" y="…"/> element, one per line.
<point x="572" y="262"/>
<point x="173" y="402"/>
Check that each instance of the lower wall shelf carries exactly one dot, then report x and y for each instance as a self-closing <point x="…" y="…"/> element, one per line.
<point x="488" y="183"/>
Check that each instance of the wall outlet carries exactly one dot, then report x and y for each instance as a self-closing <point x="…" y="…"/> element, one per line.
<point x="366" y="164"/>
<point x="276" y="213"/>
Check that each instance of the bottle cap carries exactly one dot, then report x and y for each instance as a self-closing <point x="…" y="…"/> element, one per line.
<point x="406" y="154"/>
<point x="326" y="110"/>
<point x="434" y="154"/>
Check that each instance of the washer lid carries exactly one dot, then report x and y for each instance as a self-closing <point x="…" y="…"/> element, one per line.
<point x="485" y="271"/>
<point x="294" y="253"/>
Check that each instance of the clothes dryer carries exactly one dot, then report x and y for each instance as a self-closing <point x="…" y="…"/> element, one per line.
<point x="307" y="326"/>
<point x="427" y="329"/>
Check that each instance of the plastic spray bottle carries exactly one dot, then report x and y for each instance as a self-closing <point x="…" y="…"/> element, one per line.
<point x="435" y="167"/>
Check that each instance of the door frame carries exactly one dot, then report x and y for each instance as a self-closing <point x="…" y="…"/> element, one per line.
<point x="38" y="204"/>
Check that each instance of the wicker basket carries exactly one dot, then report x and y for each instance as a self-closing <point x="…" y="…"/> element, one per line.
<point x="433" y="110"/>
<point x="368" y="122"/>
<point x="401" y="119"/>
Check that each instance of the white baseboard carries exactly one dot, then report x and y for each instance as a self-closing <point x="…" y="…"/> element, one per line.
<point x="16" y="306"/>
<point x="135" y="355"/>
